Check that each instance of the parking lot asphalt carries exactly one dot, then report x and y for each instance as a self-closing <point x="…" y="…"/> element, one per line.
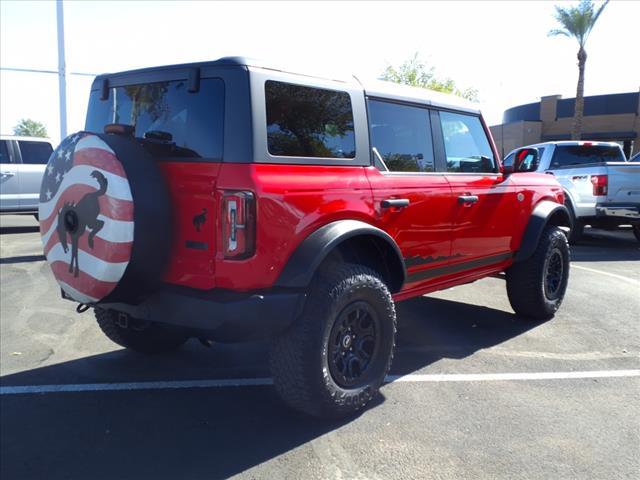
<point x="569" y="408"/>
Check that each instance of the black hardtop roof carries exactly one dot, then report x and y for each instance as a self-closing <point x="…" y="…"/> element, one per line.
<point x="375" y="88"/>
<point x="224" y="61"/>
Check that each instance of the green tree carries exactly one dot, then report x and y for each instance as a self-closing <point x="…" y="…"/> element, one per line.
<point x="30" y="128"/>
<point x="414" y="72"/>
<point x="577" y="22"/>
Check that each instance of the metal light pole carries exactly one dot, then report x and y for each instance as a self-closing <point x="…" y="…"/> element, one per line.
<point x="62" y="71"/>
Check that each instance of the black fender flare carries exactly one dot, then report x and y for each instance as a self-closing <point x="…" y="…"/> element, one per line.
<point x="305" y="260"/>
<point x="544" y="213"/>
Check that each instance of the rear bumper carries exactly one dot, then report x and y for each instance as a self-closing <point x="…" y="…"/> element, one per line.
<point x="220" y="316"/>
<point x="622" y="211"/>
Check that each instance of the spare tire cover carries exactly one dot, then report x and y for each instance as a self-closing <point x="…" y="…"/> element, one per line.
<point x="104" y="218"/>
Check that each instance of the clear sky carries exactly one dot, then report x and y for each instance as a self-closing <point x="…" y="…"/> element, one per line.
<point x="500" y="48"/>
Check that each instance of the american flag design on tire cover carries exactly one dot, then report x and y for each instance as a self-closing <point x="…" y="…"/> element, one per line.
<point x="86" y="217"/>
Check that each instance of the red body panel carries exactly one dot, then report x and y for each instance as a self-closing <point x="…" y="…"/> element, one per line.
<point x="483" y="228"/>
<point x="423" y="229"/>
<point x="192" y="187"/>
<point x="293" y="201"/>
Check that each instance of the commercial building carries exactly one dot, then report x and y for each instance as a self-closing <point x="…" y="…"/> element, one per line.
<point x="614" y="117"/>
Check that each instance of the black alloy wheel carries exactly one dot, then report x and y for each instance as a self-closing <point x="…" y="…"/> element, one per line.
<point x="353" y="343"/>
<point x="554" y="274"/>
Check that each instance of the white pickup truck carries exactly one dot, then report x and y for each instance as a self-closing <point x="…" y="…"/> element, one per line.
<point x="601" y="188"/>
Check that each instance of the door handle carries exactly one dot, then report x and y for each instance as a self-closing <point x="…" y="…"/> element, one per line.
<point x="394" y="203"/>
<point x="7" y="174"/>
<point x="467" y="199"/>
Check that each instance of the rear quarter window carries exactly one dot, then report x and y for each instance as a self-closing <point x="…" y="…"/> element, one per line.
<point x="568" y="155"/>
<point x="35" y="152"/>
<point x="308" y="122"/>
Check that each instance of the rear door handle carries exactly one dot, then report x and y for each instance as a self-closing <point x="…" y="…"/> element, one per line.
<point x="468" y="199"/>
<point x="394" y="203"/>
<point x="7" y="174"/>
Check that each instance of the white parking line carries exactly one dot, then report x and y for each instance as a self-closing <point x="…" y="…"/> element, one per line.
<point x="632" y="281"/>
<point x="257" y="382"/>
<point x="493" y="377"/>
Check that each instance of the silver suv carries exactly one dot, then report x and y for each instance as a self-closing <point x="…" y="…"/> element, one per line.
<point x="22" y="164"/>
<point x="601" y="188"/>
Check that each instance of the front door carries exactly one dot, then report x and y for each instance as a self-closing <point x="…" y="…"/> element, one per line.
<point x="486" y="204"/>
<point x="412" y="201"/>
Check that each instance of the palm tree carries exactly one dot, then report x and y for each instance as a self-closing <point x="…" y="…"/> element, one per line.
<point x="577" y="22"/>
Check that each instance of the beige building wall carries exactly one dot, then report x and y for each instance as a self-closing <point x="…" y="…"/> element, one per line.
<point x="514" y="135"/>
<point x="518" y="134"/>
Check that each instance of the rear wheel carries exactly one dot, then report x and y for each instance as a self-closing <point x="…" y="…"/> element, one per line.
<point x="138" y="335"/>
<point x="334" y="359"/>
<point x="536" y="286"/>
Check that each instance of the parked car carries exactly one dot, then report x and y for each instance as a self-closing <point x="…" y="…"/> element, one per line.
<point x="601" y="188"/>
<point x="234" y="201"/>
<point x="22" y="164"/>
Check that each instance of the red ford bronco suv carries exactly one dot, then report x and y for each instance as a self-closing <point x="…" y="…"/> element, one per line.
<point x="232" y="201"/>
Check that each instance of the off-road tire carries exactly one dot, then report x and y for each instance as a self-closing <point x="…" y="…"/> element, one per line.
<point x="300" y="358"/>
<point x="529" y="295"/>
<point x="142" y="337"/>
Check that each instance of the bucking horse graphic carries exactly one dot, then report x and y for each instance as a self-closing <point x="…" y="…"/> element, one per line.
<point x="75" y="218"/>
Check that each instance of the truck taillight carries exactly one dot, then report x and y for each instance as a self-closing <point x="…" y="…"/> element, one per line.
<point x="238" y="224"/>
<point x="600" y="184"/>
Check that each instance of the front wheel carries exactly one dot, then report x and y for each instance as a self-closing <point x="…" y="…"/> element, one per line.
<point x="536" y="286"/>
<point x="333" y="360"/>
<point x="138" y="335"/>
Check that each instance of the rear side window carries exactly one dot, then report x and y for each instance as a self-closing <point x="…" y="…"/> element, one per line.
<point x="177" y="122"/>
<point x="308" y="122"/>
<point x="568" y="155"/>
<point x="35" y="152"/>
<point x="466" y="145"/>
<point x="4" y="152"/>
<point x="401" y="135"/>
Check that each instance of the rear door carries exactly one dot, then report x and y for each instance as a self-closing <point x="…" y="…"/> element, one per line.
<point x="412" y="201"/>
<point x="485" y="201"/>
<point x="34" y="156"/>
<point x="9" y="178"/>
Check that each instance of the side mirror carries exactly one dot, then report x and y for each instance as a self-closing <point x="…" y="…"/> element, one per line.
<point x="523" y="160"/>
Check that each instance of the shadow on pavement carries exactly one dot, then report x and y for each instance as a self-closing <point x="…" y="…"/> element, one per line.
<point x="23" y="259"/>
<point x="606" y="246"/>
<point x="10" y="230"/>
<point x="200" y="432"/>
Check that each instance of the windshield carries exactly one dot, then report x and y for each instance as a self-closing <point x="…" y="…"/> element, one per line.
<point x="567" y="155"/>
<point x="191" y="124"/>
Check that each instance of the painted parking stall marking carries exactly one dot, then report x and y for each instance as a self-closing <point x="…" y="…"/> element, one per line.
<point x="260" y="382"/>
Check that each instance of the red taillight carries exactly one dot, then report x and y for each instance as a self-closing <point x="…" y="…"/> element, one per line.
<point x="600" y="184"/>
<point x="238" y="224"/>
